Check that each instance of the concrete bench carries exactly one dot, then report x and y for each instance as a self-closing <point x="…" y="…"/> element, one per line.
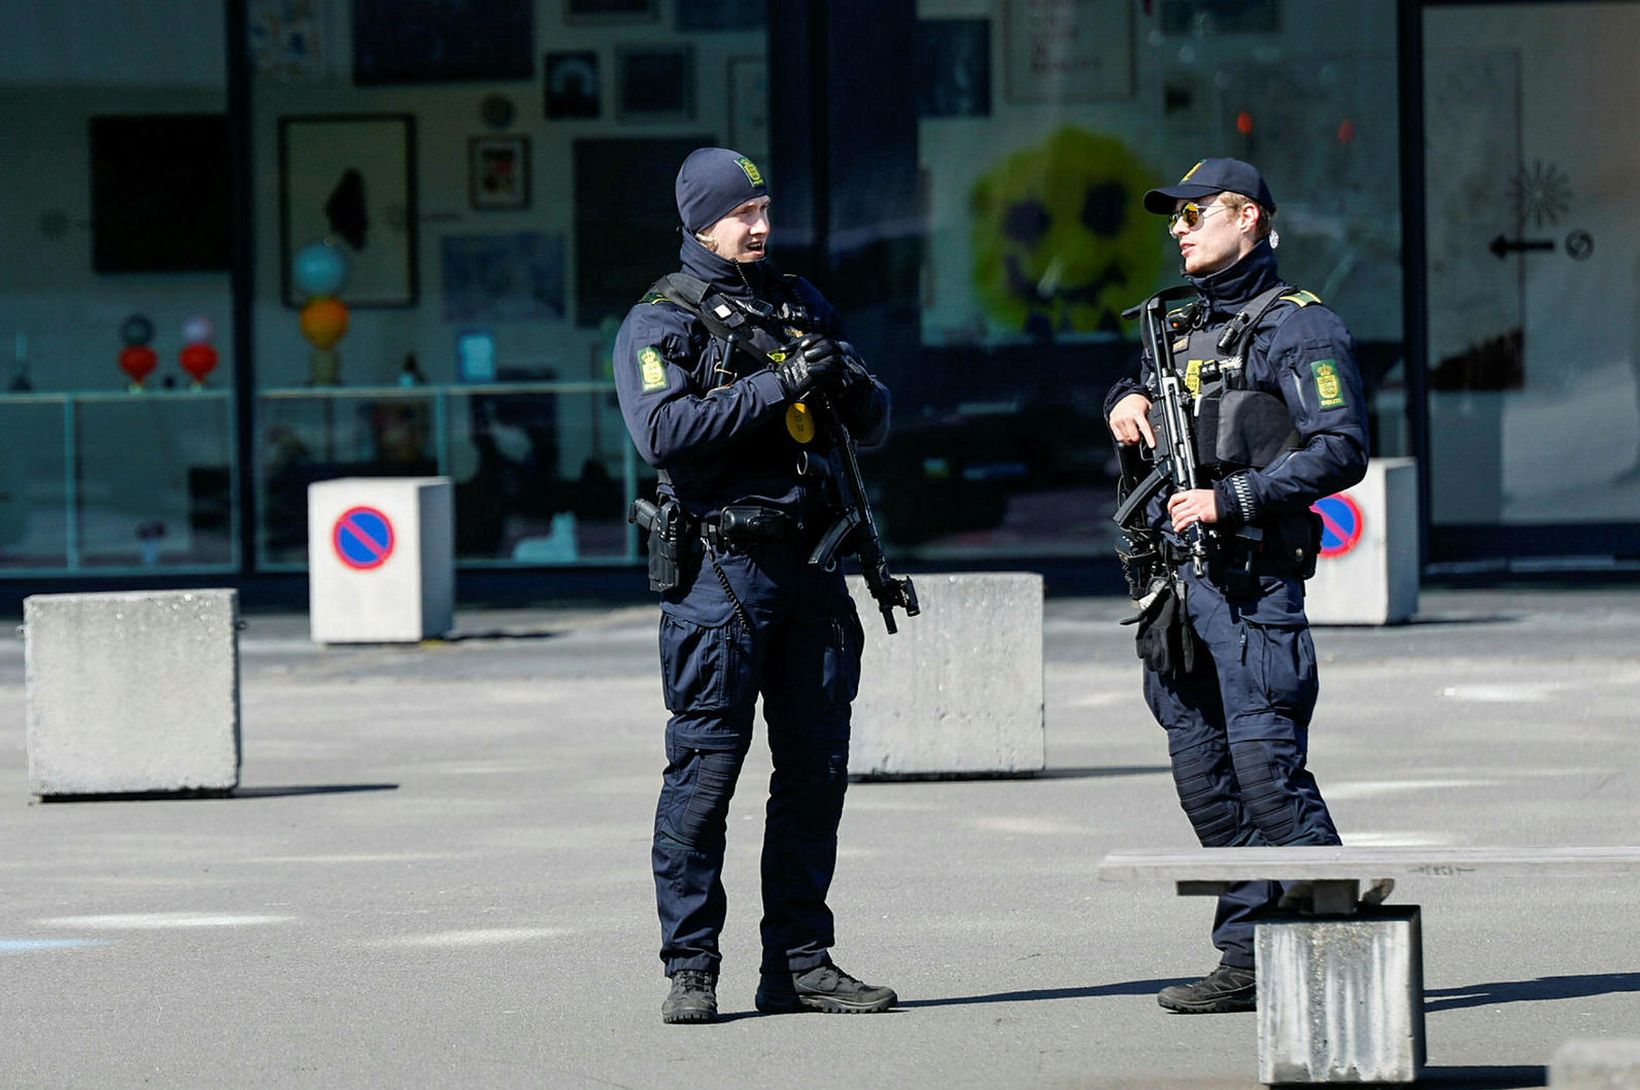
<point x="1340" y="978"/>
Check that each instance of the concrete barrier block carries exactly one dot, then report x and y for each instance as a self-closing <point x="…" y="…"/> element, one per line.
<point x="1341" y="999"/>
<point x="1373" y="576"/>
<point x="958" y="690"/>
<point x="381" y="559"/>
<point x="132" y="692"/>
<point x="1596" y="1065"/>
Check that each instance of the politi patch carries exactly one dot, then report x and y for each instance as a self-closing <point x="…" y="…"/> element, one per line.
<point x="1328" y="386"/>
<point x="753" y="175"/>
<point x="653" y="369"/>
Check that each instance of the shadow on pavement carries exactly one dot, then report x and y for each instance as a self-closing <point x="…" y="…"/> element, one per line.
<point x="214" y="793"/>
<point x="1099" y="772"/>
<point x="1486" y="1078"/>
<point x="310" y="789"/>
<point x="499" y="634"/>
<point x="1093" y="991"/>
<point x="1520" y="991"/>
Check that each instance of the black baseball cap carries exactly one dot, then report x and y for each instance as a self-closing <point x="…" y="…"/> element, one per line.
<point x="1208" y="177"/>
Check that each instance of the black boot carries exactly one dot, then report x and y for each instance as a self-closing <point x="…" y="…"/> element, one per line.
<point x="824" y="988"/>
<point x="693" y="997"/>
<point x="1222" y="991"/>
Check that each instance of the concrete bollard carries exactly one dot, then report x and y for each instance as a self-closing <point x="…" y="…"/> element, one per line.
<point x="1368" y="570"/>
<point x="381" y="559"/>
<point x="1341" y="999"/>
<point x="132" y="692"/>
<point x="1596" y="1065"/>
<point x="958" y="690"/>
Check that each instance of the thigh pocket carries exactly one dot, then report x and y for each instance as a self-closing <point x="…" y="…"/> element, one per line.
<point x="844" y="645"/>
<point x="1281" y="665"/>
<point x="703" y="667"/>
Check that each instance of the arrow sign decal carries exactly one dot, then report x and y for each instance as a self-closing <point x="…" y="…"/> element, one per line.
<point x="1501" y="246"/>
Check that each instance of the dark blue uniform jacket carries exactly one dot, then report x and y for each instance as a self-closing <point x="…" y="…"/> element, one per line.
<point x="1305" y="356"/>
<point x="714" y="420"/>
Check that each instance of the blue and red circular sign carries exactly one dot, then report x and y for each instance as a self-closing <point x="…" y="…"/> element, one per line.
<point x="1341" y="523"/>
<point x="363" y="538"/>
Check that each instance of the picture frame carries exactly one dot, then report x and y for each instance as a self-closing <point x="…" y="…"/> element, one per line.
<point x="719" y="16"/>
<point x="570" y="87"/>
<point x="1057" y="51"/>
<point x="749" y="105"/>
<point x="351" y="179"/>
<point x="498" y="173"/>
<point x="585" y="12"/>
<point x="953" y="65"/>
<point x="471" y="41"/>
<point x="655" y="82"/>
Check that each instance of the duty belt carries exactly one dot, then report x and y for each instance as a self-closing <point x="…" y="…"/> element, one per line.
<point x="741" y="523"/>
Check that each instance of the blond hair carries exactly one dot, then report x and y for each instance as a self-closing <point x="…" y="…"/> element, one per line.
<point x="1236" y="202"/>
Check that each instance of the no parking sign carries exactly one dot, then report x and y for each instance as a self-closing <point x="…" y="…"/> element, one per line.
<point x="1341" y="524"/>
<point x="363" y="538"/>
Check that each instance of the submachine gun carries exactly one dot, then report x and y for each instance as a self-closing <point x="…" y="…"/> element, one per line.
<point x="1174" y="458"/>
<point x="855" y="530"/>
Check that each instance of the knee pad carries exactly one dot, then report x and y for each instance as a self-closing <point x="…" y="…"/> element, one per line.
<point x="700" y="812"/>
<point x="1266" y="792"/>
<point x="1204" y="795"/>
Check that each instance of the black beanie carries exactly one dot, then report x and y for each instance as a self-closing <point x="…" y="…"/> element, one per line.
<point x="714" y="182"/>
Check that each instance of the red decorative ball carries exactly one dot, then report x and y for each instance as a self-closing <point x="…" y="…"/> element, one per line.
<point x="138" y="361"/>
<point x="198" y="360"/>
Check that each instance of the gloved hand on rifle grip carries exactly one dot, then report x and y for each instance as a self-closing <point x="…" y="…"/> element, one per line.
<point x="814" y="363"/>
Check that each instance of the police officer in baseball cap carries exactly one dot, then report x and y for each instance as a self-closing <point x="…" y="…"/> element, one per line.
<point x="1230" y="668"/>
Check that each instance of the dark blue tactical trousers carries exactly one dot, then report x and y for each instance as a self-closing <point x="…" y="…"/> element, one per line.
<point x="802" y="655"/>
<point x="1238" y="737"/>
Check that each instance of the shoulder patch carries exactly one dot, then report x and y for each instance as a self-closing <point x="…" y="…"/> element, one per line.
<point x="1302" y="298"/>
<point x="654" y="297"/>
<point x="653" y="369"/>
<point x="1329" y="387"/>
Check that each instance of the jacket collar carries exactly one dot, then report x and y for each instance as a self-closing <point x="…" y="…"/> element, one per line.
<point x="1228" y="290"/>
<point x="729" y="277"/>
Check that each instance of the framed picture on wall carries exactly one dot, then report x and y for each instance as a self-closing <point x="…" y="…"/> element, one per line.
<point x="572" y="85"/>
<point x="442" y="42"/>
<point x="696" y="16"/>
<point x="498" y="172"/>
<point x="749" y="105"/>
<point x="655" y="82"/>
<point x="351" y="179"/>
<point x="609" y="11"/>
<point x="1067" y="50"/>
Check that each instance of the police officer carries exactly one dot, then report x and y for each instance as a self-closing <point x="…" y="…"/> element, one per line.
<point x="1230" y="667"/>
<point x="721" y="370"/>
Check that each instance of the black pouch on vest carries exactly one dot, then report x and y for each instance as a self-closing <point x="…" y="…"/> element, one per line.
<point x="1242" y="428"/>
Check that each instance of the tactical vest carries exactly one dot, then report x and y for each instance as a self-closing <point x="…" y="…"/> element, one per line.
<point x="1235" y="427"/>
<point x="761" y="332"/>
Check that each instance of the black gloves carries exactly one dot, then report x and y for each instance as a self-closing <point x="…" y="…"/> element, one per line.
<point x="815" y="363"/>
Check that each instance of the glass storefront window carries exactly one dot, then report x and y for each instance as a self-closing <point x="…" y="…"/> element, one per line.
<point x="1042" y="124"/>
<point x="453" y="213"/>
<point x="114" y="297"/>
<point x="1534" y="362"/>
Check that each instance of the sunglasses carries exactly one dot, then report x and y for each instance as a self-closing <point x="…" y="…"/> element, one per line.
<point x="1192" y="214"/>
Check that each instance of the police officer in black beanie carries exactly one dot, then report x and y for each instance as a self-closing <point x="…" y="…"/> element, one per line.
<point x="1230" y="669"/>
<point x="720" y="371"/>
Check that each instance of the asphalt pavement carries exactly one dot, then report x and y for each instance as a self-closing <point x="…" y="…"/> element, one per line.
<point x="436" y="871"/>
